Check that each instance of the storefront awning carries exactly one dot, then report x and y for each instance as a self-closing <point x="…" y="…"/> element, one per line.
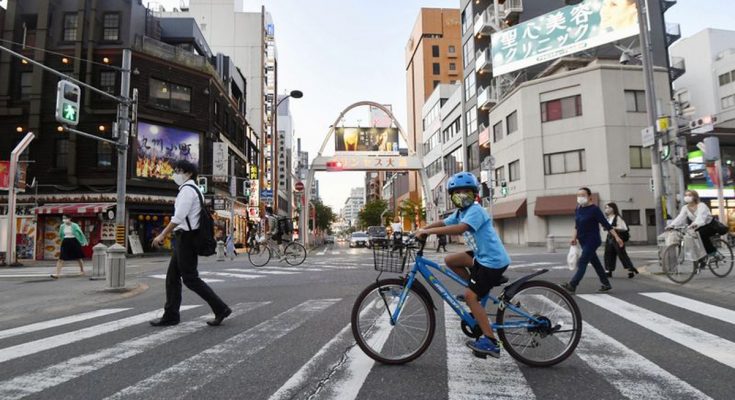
<point x="559" y="205"/>
<point x="74" y="208"/>
<point x="510" y="209"/>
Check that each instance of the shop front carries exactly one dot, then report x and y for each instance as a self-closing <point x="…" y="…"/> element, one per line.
<point x="25" y="231"/>
<point x="145" y="222"/>
<point x="97" y="221"/>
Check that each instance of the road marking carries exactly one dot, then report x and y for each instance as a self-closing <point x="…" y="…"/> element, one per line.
<point x="323" y="252"/>
<point x="707" y="344"/>
<point x="294" y="269"/>
<point x="473" y="378"/>
<point x="206" y="280"/>
<point x="708" y="310"/>
<point x="54" y="375"/>
<point x="199" y="370"/>
<point x="37" y="346"/>
<point x="335" y="252"/>
<point x="229" y="275"/>
<point x="39" y="326"/>
<point x="28" y="276"/>
<point x="260" y="271"/>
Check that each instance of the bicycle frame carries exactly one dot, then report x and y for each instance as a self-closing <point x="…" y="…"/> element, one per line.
<point x="423" y="266"/>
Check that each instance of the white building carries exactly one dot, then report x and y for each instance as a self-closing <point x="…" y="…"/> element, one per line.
<point x="579" y="124"/>
<point x="353" y="205"/>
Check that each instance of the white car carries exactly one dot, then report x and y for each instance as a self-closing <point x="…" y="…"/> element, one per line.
<point x="359" y="239"/>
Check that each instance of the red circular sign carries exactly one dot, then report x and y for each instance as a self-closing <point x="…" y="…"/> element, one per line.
<point x="299" y="186"/>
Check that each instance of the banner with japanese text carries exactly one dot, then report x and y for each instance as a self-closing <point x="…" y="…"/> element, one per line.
<point x="159" y="147"/>
<point x="566" y="31"/>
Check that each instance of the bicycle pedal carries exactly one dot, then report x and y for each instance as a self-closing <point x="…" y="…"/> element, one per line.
<point x="479" y="355"/>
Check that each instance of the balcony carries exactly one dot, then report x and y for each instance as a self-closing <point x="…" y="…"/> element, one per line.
<point x="483" y="61"/>
<point x="677" y="68"/>
<point x="511" y="9"/>
<point x="487" y="97"/>
<point x="673" y="33"/>
<point x="485" y="23"/>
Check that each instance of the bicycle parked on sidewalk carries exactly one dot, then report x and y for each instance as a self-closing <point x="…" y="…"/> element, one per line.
<point x="681" y="270"/>
<point x="393" y="320"/>
<point x="263" y="250"/>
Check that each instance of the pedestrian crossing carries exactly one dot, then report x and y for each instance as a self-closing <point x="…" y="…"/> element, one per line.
<point x="246" y="274"/>
<point x="59" y="351"/>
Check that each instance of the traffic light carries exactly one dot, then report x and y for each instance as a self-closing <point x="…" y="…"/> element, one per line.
<point x="68" y="97"/>
<point x="334" y="165"/>
<point x="703" y="124"/>
<point x="504" y="188"/>
<point x="202" y="182"/>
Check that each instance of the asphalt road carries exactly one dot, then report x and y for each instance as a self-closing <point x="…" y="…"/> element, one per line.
<point x="290" y="339"/>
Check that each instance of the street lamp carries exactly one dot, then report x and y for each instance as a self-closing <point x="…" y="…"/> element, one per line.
<point x="296" y="94"/>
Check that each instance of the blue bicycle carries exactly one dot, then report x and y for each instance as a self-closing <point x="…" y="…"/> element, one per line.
<point x="393" y="320"/>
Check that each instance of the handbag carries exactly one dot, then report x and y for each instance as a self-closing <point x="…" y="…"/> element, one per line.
<point x="719" y="227"/>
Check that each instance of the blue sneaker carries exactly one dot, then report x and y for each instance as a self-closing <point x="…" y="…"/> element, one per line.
<point x="485" y="346"/>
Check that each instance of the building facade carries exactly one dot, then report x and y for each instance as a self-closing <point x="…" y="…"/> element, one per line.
<point x="353" y="205"/>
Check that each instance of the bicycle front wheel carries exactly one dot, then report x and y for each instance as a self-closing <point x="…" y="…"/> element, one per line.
<point x="540" y="344"/>
<point x="295" y="253"/>
<point x="259" y="254"/>
<point x="722" y="265"/>
<point x="385" y="341"/>
<point x="675" y="267"/>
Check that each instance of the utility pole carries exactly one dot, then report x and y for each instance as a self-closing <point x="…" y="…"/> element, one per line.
<point x="646" y="52"/>
<point x="123" y="124"/>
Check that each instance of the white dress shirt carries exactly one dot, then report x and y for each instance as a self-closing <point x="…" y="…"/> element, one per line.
<point x="187" y="205"/>
<point x="700" y="217"/>
<point x="619" y="224"/>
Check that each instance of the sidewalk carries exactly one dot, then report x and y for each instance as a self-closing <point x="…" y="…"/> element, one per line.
<point x="42" y="269"/>
<point x="705" y="280"/>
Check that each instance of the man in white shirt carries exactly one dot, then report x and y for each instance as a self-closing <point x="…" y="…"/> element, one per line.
<point x="183" y="264"/>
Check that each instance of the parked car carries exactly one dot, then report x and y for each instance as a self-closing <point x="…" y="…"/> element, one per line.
<point x="329" y="239"/>
<point x="359" y="239"/>
<point x="376" y="233"/>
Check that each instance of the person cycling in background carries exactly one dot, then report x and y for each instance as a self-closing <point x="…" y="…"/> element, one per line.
<point x="487" y="258"/>
<point x="271" y="230"/>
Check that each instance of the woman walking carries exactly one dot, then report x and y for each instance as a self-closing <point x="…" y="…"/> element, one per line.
<point x="72" y="240"/>
<point x="587" y="220"/>
<point x="612" y="250"/>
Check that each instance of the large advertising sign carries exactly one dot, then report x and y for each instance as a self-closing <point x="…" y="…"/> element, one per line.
<point x="568" y="30"/>
<point x="159" y="147"/>
<point x="704" y="178"/>
<point x="366" y="139"/>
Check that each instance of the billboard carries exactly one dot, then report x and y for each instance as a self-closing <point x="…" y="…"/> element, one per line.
<point x="158" y="147"/>
<point x="703" y="176"/>
<point x="568" y="30"/>
<point x="366" y="139"/>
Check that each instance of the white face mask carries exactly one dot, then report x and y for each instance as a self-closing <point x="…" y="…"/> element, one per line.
<point x="180" y="178"/>
<point x="688" y="199"/>
<point x="608" y="211"/>
<point x="581" y="200"/>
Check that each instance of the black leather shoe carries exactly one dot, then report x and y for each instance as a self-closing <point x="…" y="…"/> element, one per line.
<point x="217" y="321"/>
<point x="164" y="322"/>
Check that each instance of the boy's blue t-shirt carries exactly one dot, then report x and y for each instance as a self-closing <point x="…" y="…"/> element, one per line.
<point x="481" y="238"/>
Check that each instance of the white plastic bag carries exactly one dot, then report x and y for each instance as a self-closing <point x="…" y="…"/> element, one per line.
<point x="573" y="257"/>
<point x="693" y="247"/>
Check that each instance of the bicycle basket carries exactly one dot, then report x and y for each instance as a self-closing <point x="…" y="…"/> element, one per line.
<point x="389" y="258"/>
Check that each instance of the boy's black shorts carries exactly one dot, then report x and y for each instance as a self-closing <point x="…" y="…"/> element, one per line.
<point x="482" y="278"/>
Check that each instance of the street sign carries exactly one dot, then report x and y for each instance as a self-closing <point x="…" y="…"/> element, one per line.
<point x="68" y="96"/>
<point x="266" y="193"/>
<point x="648" y="136"/>
<point x="219" y="203"/>
<point x="299" y="186"/>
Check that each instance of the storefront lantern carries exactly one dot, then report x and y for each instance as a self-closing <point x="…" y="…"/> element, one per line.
<point x="147" y="217"/>
<point x="140" y="217"/>
<point x="155" y="217"/>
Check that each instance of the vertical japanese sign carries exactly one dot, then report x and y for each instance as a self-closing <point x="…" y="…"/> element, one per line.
<point x="219" y="162"/>
<point x="159" y="147"/>
<point x="568" y="30"/>
<point x="4" y="175"/>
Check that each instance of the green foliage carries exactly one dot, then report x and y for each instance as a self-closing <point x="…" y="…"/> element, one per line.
<point x="324" y="216"/>
<point x="409" y="208"/>
<point x="370" y="214"/>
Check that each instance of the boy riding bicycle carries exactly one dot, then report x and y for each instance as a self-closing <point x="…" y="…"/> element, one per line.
<point x="487" y="256"/>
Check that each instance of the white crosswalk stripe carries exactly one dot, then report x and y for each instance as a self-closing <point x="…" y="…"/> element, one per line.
<point x="699" y="307"/>
<point x="230" y="274"/>
<point x="39" y="326"/>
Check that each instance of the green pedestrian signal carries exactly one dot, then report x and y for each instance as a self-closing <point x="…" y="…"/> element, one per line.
<point x="68" y="97"/>
<point x="504" y="188"/>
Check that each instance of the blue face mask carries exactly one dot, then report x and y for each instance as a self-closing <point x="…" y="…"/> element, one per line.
<point x="463" y="200"/>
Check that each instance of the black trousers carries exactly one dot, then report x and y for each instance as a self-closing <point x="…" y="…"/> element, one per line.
<point x="707" y="232"/>
<point x="613" y="252"/>
<point x="183" y="267"/>
<point x="441" y="245"/>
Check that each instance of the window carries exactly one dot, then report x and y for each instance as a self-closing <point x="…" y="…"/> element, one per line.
<point x="70" y="27"/>
<point x="435" y="84"/>
<point x="432" y="116"/>
<point x="453" y="162"/>
<point x="640" y="158"/>
<point x="468" y="51"/>
<point x="566" y="107"/>
<point x="451" y="49"/>
<point x="728" y="101"/>
<point x="435" y="51"/>
<point x="107" y="81"/>
<point x="514" y="171"/>
<point x="632" y="217"/>
<point x="216" y="112"/>
<point x="497" y="131"/>
<point x="635" y="100"/>
<point x="111" y="26"/>
<point x="26" y="82"/>
<point x="104" y="155"/>
<point x="433" y="142"/>
<point x="170" y="95"/>
<point x="499" y="175"/>
<point x="467" y="18"/>
<point x="511" y="122"/>
<point x="61" y="153"/>
<point x="434" y="168"/>
<point x="725" y="79"/>
<point x="469" y="86"/>
<point x="452" y="66"/>
<point x="564" y="163"/>
<point x="457" y="126"/>
<point x="435" y="69"/>
<point x="471" y="116"/>
<point x="473" y="156"/>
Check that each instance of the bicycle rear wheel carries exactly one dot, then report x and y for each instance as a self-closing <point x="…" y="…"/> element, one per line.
<point x="548" y="343"/>
<point x="259" y="254"/>
<point x="295" y="253"/>
<point x="722" y="265"/>
<point x="675" y="267"/>
<point x="384" y="341"/>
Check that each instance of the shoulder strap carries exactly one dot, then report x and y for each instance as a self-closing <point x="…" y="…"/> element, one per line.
<point x="615" y="222"/>
<point x="201" y="203"/>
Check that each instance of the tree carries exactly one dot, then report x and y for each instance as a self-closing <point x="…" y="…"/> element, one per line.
<point x="370" y="213"/>
<point x="409" y="208"/>
<point x="324" y="216"/>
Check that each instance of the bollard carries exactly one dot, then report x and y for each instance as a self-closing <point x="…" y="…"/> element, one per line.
<point x="550" y="245"/>
<point x="220" y="250"/>
<point x="99" y="260"/>
<point x="115" y="267"/>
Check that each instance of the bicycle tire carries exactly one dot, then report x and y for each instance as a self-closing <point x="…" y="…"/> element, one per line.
<point x="258" y="250"/>
<point x="576" y="329"/>
<point x="673" y="252"/>
<point x="362" y="342"/>
<point x="300" y="258"/>
<point x="722" y="269"/>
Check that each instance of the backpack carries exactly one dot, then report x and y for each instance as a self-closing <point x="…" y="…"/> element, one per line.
<point x="204" y="242"/>
<point x="285" y="225"/>
<point x="624" y="235"/>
